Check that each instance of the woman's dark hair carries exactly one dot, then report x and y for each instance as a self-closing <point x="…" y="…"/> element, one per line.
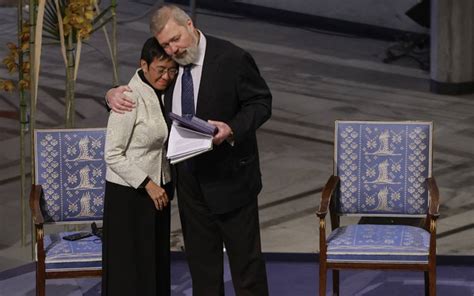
<point x="151" y="50"/>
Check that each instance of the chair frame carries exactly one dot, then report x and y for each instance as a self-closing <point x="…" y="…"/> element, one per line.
<point x="41" y="274"/>
<point x="328" y="203"/>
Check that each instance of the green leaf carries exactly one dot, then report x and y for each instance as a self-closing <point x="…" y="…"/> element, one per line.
<point x="49" y="35"/>
<point x="51" y="26"/>
<point x="101" y="15"/>
<point x="50" y="43"/>
<point x="101" y="25"/>
<point x="50" y="17"/>
<point x="51" y="31"/>
<point x="50" y="7"/>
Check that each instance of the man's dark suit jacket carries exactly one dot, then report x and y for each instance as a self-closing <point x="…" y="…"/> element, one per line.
<point x="231" y="91"/>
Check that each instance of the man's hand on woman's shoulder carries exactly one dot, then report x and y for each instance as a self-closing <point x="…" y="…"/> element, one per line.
<point x="118" y="101"/>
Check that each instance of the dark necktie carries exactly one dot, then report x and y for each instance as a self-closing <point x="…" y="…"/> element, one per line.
<point x="187" y="93"/>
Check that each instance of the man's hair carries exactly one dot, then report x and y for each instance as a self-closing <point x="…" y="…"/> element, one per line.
<point x="162" y="15"/>
<point x="151" y="50"/>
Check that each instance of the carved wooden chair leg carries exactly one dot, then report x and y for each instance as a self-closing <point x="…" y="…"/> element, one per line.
<point x="432" y="281"/>
<point x="335" y="282"/>
<point x="40" y="280"/>
<point x="322" y="279"/>
<point x="427" y="283"/>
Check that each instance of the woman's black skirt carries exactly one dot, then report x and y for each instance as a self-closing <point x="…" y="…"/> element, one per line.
<point x="136" y="243"/>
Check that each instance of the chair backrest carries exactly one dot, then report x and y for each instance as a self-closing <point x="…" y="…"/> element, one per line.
<point x="70" y="167"/>
<point x="382" y="167"/>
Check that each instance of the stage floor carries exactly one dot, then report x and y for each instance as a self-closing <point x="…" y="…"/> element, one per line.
<point x="315" y="77"/>
<point x="288" y="274"/>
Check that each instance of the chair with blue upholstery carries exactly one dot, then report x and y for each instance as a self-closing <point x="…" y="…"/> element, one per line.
<point x="381" y="169"/>
<point x="69" y="189"/>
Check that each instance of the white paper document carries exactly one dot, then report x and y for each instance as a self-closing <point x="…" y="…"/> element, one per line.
<point x="185" y="143"/>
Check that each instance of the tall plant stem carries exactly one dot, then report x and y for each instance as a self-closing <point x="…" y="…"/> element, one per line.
<point x="23" y="128"/>
<point x="114" y="42"/>
<point x="70" y="82"/>
<point x="32" y="17"/>
<point x="112" y="46"/>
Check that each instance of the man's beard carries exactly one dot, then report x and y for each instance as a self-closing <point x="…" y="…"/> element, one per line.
<point x="190" y="54"/>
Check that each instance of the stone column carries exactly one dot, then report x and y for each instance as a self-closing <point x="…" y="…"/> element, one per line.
<point x="452" y="46"/>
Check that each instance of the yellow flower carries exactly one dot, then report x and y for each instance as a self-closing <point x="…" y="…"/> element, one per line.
<point x="78" y="16"/>
<point x="6" y="61"/>
<point x="25" y="32"/>
<point x="7" y="85"/>
<point x="89" y="15"/>
<point x="66" y="18"/>
<point x="25" y="67"/>
<point x="10" y="63"/>
<point x="25" y="37"/>
<point x="12" y="67"/>
<point x="12" y="46"/>
<point x="24" y="84"/>
<point x="67" y="29"/>
<point x="79" y="19"/>
<point x="85" y="31"/>
<point x="25" y="46"/>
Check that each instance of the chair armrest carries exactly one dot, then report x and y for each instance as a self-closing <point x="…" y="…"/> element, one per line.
<point x="433" y="190"/>
<point x="35" y="195"/>
<point x="326" y="196"/>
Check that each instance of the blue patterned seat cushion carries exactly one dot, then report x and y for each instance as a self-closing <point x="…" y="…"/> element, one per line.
<point x="378" y="243"/>
<point x="70" y="255"/>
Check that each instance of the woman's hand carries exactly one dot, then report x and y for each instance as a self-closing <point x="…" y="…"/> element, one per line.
<point x="157" y="195"/>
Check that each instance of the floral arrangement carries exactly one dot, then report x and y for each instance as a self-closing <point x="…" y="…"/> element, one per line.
<point x="12" y="62"/>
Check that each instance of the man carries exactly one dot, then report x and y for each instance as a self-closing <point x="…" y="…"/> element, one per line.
<point x="217" y="190"/>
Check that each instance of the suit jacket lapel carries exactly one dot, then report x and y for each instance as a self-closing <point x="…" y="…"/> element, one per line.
<point x="169" y="97"/>
<point x="169" y="102"/>
<point x="209" y="72"/>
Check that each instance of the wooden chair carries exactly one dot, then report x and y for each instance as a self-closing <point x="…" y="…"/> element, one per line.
<point x="68" y="189"/>
<point x="381" y="169"/>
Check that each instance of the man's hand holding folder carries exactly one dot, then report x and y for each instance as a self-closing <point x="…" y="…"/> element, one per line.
<point x="194" y="123"/>
<point x="189" y="137"/>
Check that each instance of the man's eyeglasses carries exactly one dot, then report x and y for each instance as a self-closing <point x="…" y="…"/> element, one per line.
<point x="160" y="71"/>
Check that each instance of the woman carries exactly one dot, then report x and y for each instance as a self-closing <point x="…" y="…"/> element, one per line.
<point x="136" y="259"/>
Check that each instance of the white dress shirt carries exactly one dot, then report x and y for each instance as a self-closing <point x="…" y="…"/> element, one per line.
<point x="196" y="72"/>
